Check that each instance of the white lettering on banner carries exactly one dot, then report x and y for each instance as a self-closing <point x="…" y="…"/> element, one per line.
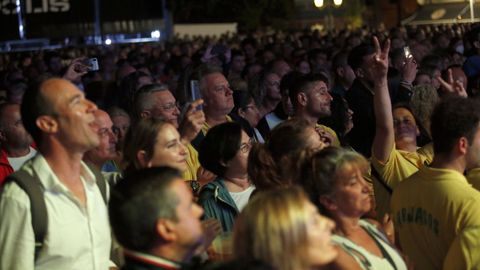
<point x="9" y="7"/>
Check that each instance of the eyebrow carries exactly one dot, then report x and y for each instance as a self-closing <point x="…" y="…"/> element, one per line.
<point x="75" y="97"/>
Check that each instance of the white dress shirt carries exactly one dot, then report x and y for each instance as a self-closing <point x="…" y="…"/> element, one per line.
<point x="78" y="236"/>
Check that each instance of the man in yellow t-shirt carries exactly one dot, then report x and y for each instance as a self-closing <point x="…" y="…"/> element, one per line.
<point x="435" y="211"/>
<point x="218" y="97"/>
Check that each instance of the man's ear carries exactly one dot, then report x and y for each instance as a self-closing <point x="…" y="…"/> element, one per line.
<point x="143" y="159"/>
<point x="166" y="230"/>
<point x="463" y="145"/>
<point x="145" y="114"/>
<point x="241" y="112"/>
<point x="340" y="71"/>
<point x="302" y="99"/>
<point x="328" y="202"/>
<point x="47" y="124"/>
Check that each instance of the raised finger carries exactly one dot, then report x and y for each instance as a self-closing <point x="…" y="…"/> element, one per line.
<point x="450" y="76"/>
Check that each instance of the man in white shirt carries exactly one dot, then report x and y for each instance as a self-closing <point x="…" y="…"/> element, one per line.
<point x="61" y="121"/>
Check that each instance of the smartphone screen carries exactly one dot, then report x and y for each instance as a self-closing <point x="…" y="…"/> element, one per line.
<point x="195" y="92"/>
<point x="407" y="52"/>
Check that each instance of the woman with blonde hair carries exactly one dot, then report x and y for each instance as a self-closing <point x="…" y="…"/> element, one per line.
<point x="333" y="179"/>
<point x="283" y="228"/>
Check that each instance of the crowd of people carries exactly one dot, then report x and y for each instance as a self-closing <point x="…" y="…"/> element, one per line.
<point x="303" y="150"/>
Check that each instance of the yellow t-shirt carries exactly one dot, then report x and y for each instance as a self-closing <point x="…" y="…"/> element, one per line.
<point x="437" y="216"/>
<point x="192" y="164"/>
<point x="400" y="165"/>
<point x="206" y="126"/>
<point x="473" y="177"/>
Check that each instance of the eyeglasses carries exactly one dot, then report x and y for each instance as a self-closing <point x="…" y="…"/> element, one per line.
<point x="170" y="106"/>
<point x="245" y="147"/>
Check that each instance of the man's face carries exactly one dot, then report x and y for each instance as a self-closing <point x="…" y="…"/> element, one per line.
<point x="318" y="99"/>
<point x="165" y="107"/>
<point x="74" y="115"/>
<point x="121" y="123"/>
<point x="272" y="84"/>
<point x="188" y="226"/>
<point x="366" y="73"/>
<point x="238" y="63"/>
<point x="106" y="149"/>
<point x="12" y="132"/>
<point x="281" y="68"/>
<point x="218" y="95"/>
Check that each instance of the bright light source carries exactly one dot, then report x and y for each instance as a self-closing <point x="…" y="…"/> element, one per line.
<point x="337" y="2"/>
<point x="108" y="41"/>
<point x="155" y="34"/>
<point x="318" y="3"/>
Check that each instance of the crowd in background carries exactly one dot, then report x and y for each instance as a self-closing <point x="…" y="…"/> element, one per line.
<point x="311" y="150"/>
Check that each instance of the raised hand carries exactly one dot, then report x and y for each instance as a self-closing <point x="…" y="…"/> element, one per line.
<point x="192" y="122"/>
<point x="378" y="63"/>
<point x="452" y="86"/>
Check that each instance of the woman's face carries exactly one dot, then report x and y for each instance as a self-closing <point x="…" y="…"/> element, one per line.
<point x="351" y="193"/>
<point x="319" y="231"/>
<point x="168" y="149"/>
<point x="237" y="166"/>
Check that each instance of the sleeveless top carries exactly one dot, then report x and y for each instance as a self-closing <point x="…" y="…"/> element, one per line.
<point x="391" y="258"/>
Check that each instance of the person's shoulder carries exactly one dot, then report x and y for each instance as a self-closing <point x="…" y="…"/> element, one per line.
<point x="13" y="193"/>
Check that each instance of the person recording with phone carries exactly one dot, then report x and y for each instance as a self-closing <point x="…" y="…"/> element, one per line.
<point x="156" y="101"/>
<point x="78" y="68"/>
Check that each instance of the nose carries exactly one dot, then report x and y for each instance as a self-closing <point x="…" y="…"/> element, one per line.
<point x="228" y="91"/>
<point x="183" y="149"/>
<point x="176" y="111"/>
<point x="329" y="96"/>
<point x="112" y="136"/>
<point x="91" y="107"/>
<point x="366" y="187"/>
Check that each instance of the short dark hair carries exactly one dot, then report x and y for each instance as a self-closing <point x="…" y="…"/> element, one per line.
<point x="355" y="57"/>
<point x="34" y="105"/>
<point x="453" y="118"/>
<point x="137" y="202"/>
<point x="220" y="145"/>
<point x="303" y="83"/>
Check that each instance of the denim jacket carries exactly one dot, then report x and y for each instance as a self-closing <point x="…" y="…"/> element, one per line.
<point x="218" y="204"/>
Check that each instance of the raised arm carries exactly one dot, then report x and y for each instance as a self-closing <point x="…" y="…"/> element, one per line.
<point x="384" y="139"/>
